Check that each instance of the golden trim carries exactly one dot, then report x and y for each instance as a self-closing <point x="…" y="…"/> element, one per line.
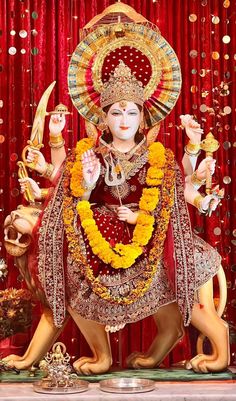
<point x="195" y="180"/>
<point x="197" y="202"/>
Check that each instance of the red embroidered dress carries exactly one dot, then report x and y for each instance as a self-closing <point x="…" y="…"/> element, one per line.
<point x="187" y="262"/>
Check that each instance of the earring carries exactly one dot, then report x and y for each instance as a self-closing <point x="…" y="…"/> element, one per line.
<point x="141" y="127"/>
<point x="102" y="126"/>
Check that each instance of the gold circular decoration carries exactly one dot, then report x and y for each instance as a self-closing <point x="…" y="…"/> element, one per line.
<point x="193" y="53"/>
<point x="226" y="4"/>
<point x="215" y="55"/>
<point x="227" y="109"/>
<point x="226" y="39"/>
<point x="215" y="19"/>
<point x="217" y="230"/>
<point x="203" y="108"/>
<point x="192" y="18"/>
<point x="194" y="89"/>
<point x="227" y="180"/>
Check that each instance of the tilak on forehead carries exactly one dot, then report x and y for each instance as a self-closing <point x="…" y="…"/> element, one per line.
<point x="123" y="104"/>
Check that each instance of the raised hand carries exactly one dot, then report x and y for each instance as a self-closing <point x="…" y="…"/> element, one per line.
<point x="125" y="214"/>
<point x="56" y="124"/>
<point x="25" y="182"/>
<point x="91" y="168"/>
<point x="192" y="128"/>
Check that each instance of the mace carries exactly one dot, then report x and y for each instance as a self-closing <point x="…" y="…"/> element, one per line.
<point x="209" y="145"/>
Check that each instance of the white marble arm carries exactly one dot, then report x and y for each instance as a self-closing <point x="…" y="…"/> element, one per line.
<point x="194" y="132"/>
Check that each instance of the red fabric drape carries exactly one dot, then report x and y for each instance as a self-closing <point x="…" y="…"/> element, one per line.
<point x="52" y="33"/>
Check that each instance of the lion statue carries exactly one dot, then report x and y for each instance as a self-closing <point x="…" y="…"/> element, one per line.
<point x="18" y="229"/>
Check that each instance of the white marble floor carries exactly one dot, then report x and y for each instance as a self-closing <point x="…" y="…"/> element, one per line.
<point x="164" y="391"/>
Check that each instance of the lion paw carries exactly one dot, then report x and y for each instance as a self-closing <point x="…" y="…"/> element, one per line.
<point x="141" y="361"/>
<point x="203" y="363"/>
<point x="18" y="362"/>
<point x="88" y="366"/>
<point x="13" y="357"/>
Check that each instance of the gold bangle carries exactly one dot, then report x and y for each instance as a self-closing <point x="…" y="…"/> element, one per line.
<point x="48" y="171"/>
<point x="192" y="153"/>
<point x="196" y="181"/>
<point x="58" y="145"/>
<point x="44" y="193"/>
<point x="197" y="203"/>
<point x="193" y="147"/>
<point x="56" y="142"/>
<point x="55" y="139"/>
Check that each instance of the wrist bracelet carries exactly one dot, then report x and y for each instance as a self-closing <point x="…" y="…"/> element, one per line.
<point x="44" y="193"/>
<point x="193" y="147"/>
<point x="192" y="154"/>
<point x="56" y="142"/>
<point x="48" y="171"/>
<point x="197" y="203"/>
<point x="196" y="181"/>
<point x="57" y="145"/>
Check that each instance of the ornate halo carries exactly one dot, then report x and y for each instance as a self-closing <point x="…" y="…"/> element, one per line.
<point x="144" y="50"/>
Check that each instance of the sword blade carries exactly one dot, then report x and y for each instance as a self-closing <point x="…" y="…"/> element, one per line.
<point x="36" y="137"/>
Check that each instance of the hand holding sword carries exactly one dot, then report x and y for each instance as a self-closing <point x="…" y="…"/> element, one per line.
<point x="31" y="155"/>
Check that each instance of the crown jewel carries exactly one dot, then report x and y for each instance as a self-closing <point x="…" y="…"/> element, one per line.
<point x="122" y="85"/>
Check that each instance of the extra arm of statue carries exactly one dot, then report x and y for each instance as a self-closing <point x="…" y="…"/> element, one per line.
<point x="58" y="153"/>
<point x="36" y="191"/>
<point x="198" y="178"/>
<point x="194" y="133"/>
<point x="205" y="205"/>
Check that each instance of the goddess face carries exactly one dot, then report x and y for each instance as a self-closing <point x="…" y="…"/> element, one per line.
<point x="123" y="119"/>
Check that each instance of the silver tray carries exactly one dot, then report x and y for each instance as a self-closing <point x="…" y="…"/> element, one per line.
<point x="43" y="386"/>
<point x="127" y="385"/>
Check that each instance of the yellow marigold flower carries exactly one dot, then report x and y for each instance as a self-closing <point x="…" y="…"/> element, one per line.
<point x="84" y="204"/>
<point x="153" y="182"/>
<point x="156" y="154"/>
<point x="154" y="172"/>
<point x="145" y="219"/>
<point x="11" y="313"/>
<point x="149" y="199"/>
<point x="88" y="224"/>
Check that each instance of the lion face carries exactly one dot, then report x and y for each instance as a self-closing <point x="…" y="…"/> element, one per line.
<point x="18" y="228"/>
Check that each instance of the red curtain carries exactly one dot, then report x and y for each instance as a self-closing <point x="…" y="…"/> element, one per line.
<point x="37" y="38"/>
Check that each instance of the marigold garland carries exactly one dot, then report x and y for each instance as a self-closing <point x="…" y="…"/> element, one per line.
<point x="76" y="170"/>
<point x="126" y="254"/>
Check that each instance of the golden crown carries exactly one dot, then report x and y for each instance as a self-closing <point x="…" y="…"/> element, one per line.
<point x="122" y="85"/>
